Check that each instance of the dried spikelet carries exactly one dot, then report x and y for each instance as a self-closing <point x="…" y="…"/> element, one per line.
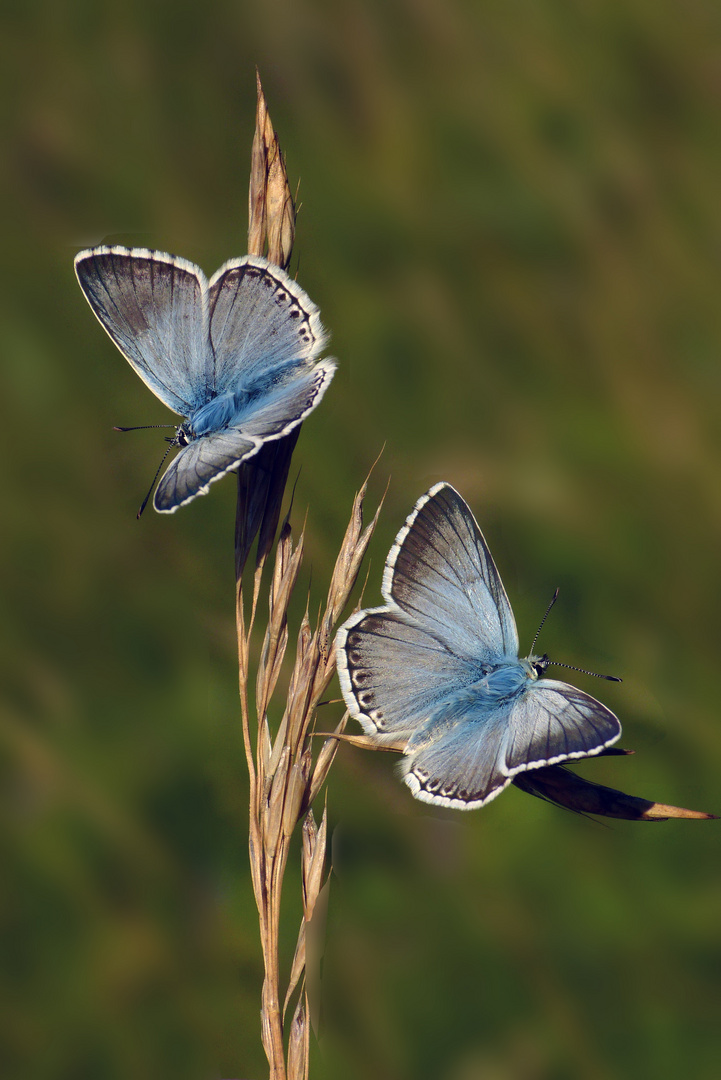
<point x="350" y="556"/>
<point x="287" y="566"/>
<point x="324" y="761"/>
<point x="299" y="1043"/>
<point x="297" y="785"/>
<point x="297" y="968"/>
<point x="271" y="212"/>
<point x="273" y="811"/>
<point x="314" y="841"/>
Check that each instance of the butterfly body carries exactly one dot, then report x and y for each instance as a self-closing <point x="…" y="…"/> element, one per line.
<point x="506" y="680"/>
<point x="437" y="668"/>
<point x="235" y="356"/>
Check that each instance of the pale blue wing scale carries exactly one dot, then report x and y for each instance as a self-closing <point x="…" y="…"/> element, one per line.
<point x="201" y="463"/>
<point x="261" y="322"/>
<point x="441" y="573"/>
<point x="284" y="403"/>
<point x="470" y="759"/>
<point x="154" y="307"/>
<point x="394" y="674"/>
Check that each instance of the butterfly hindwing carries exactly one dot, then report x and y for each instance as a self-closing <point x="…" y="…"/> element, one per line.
<point x="273" y="414"/>
<point x="199" y="464"/>
<point x="552" y="722"/>
<point x="283" y="404"/>
<point x="474" y="760"/>
<point x="464" y="766"/>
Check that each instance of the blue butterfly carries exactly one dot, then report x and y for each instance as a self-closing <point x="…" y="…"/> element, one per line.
<point x="235" y="356"/>
<point x="437" y="668"/>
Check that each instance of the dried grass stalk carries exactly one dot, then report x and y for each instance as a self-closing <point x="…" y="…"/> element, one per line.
<point x="285" y="778"/>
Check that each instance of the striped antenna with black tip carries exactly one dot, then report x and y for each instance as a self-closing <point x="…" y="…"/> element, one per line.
<point x="143" y="427"/>
<point x="608" y="678"/>
<point x="548" y="609"/>
<point x="557" y="663"/>
<point x="157" y="474"/>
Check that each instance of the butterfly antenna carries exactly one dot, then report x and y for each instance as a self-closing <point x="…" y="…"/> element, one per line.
<point x="143" y="427"/>
<point x="548" y="609"/>
<point x="157" y="474"/>
<point x="608" y="678"/>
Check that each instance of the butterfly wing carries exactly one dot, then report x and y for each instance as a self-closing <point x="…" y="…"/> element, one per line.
<point x="553" y="722"/>
<point x="441" y="574"/>
<point x="474" y="757"/>
<point x="154" y="307"/>
<point x="394" y="674"/>
<point x="199" y="464"/>
<point x="261" y="321"/>
<point x="282" y="405"/>
<point x="273" y="414"/>
<point x="446" y="616"/>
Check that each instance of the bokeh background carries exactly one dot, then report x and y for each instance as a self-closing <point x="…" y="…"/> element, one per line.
<point x="511" y="220"/>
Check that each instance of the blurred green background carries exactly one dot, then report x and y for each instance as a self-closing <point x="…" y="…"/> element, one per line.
<point x="511" y="220"/>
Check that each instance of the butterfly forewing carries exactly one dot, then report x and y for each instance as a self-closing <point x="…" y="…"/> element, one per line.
<point x="153" y="306"/>
<point x="441" y="573"/>
<point x="260" y="322"/>
<point x="447" y="615"/>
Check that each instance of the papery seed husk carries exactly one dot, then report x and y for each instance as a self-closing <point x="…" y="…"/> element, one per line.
<point x="297" y="967"/>
<point x="309" y="835"/>
<point x="266" y="750"/>
<point x="324" y="761"/>
<point x="258" y="177"/>
<point x="298" y="1043"/>
<point x="313" y="873"/>
<point x="297" y="780"/>
<point x="272" y="813"/>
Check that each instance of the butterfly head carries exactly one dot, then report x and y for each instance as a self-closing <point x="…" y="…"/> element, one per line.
<point x="539" y="664"/>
